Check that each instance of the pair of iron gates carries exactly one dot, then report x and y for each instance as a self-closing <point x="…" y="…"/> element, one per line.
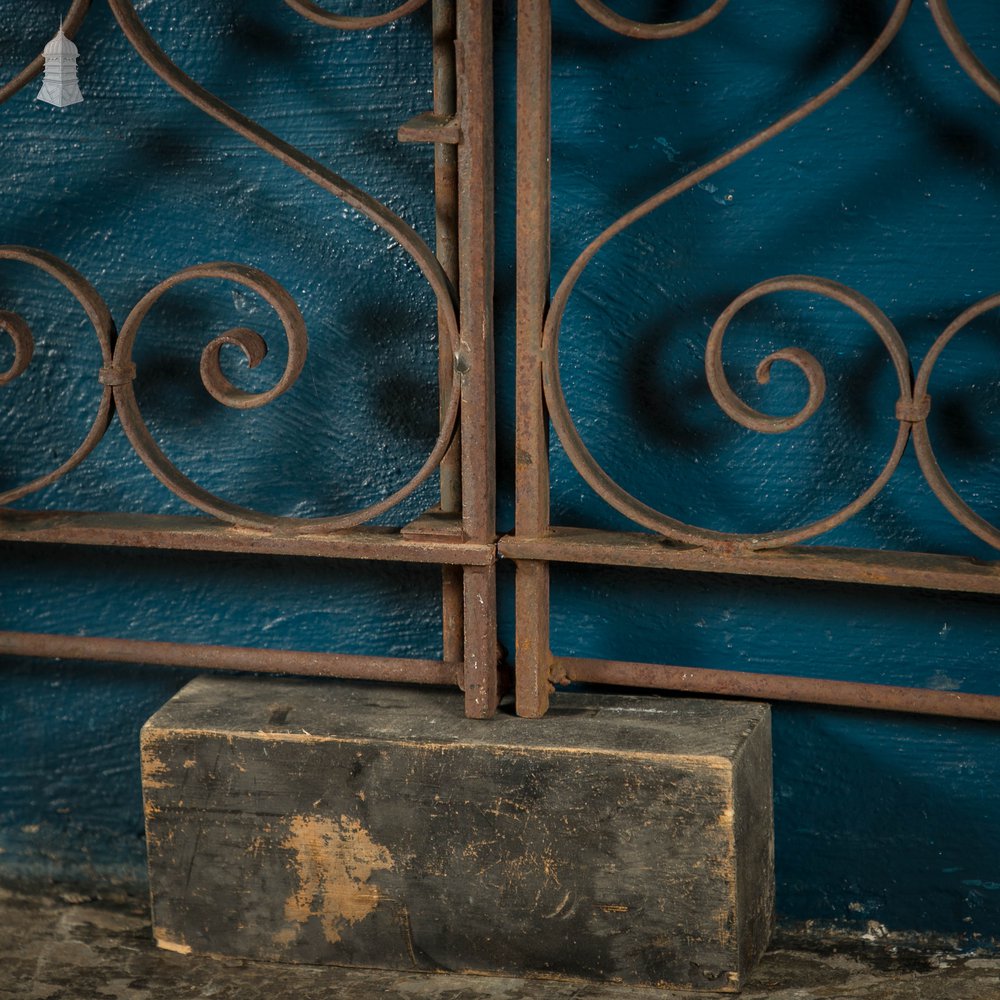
<point x="460" y="534"/>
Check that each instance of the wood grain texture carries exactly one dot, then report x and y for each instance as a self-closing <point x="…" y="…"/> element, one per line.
<point x="622" y="839"/>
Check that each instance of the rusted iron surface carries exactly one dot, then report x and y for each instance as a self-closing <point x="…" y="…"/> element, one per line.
<point x="19" y="332"/>
<point x="461" y="535"/>
<point x="944" y="491"/>
<point x="676" y="545"/>
<point x="444" y="28"/>
<point x="119" y="371"/>
<point x="245" y="658"/>
<point x="585" y="463"/>
<point x="157" y="531"/>
<point x="775" y="687"/>
<point x="962" y="51"/>
<point x="531" y="466"/>
<point x="603" y="14"/>
<point x="480" y="679"/>
<point x="431" y="127"/>
<point x="474" y="63"/>
<point x="880" y="567"/>
<point x="347" y="22"/>
<point x="361" y="201"/>
<point x="911" y="407"/>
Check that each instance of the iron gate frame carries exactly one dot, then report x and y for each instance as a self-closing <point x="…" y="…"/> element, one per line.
<point x="668" y="544"/>
<point x="460" y="534"/>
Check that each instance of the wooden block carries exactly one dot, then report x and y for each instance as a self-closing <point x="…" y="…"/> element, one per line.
<point x="619" y="839"/>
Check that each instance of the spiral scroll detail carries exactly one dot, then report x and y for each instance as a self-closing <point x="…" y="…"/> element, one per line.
<point x="216" y="383"/>
<point x="739" y="411"/>
<point x="20" y="333"/>
<point x="932" y="471"/>
<point x="24" y="345"/>
<point x="555" y="399"/>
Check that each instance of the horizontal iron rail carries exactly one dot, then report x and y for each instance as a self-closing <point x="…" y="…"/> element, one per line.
<point x="243" y="658"/>
<point x="890" y="568"/>
<point x="775" y="687"/>
<point x="204" y="534"/>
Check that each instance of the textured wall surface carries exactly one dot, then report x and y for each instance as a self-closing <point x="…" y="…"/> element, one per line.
<point x="893" y="189"/>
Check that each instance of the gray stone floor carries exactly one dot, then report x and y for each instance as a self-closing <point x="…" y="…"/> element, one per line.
<point x="68" y="947"/>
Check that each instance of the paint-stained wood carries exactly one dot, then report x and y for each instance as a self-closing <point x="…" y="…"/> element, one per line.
<point x="619" y="839"/>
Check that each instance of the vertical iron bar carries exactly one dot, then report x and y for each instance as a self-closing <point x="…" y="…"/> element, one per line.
<point x="446" y="215"/>
<point x="534" y="88"/>
<point x="474" y="52"/>
<point x="480" y="617"/>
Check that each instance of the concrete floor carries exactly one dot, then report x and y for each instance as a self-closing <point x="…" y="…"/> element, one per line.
<point x="71" y="947"/>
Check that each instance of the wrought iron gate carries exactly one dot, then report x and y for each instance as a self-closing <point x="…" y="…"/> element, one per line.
<point x="667" y="543"/>
<point x="460" y="535"/>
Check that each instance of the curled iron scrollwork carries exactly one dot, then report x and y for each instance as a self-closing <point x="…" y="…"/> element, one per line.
<point x="248" y="341"/>
<point x="932" y="471"/>
<point x="737" y="410"/>
<point x="218" y="385"/>
<point x="631" y="28"/>
<point x="962" y="51"/>
<point x="20" y="335"/>
<point x="17" y="329"/>
<point x="353" y="22"/>
<point x="585" y="463"/>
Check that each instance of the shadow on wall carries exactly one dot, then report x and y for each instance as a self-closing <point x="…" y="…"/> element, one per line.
<point x="877" y="817"/>
<point x="892" y="190"/>
<point x="896" y="816"/>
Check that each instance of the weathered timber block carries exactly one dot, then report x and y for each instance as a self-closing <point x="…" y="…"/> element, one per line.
<point x="620" y="839"/>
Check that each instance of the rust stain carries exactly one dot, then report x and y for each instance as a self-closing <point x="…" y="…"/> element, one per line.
<point x="333" y="861"/>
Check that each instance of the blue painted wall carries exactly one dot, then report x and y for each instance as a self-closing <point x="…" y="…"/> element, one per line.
<point x="893" y="190"/>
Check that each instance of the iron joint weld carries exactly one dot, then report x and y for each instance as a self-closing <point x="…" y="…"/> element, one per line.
<point x="913" y="411"/>
<point x="116" y="374"/>
<point x="431" y="127"/>
<point x="559" y="675"/>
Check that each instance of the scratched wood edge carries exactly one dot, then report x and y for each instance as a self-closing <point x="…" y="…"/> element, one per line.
<point x="753" y="835"/>
<point x="170" y="939"/>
